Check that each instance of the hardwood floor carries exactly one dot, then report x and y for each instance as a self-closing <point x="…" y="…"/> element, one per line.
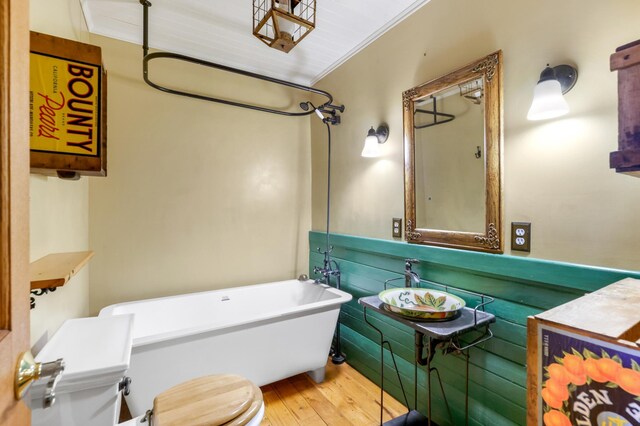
<point x="345" y="397"/>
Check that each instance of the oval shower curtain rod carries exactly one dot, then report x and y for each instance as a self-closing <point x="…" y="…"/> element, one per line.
<point x="326" y="107"/>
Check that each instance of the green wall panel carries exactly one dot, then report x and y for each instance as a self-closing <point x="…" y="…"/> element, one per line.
<point x="497" y="368"/>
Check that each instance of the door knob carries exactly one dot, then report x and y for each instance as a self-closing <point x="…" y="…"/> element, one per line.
<point x="28" y="371"/>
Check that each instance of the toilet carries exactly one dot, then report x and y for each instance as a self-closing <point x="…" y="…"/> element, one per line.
<point x="96" y="352"/>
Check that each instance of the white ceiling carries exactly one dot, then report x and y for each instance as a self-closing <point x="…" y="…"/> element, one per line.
<point x="221" y="31"/>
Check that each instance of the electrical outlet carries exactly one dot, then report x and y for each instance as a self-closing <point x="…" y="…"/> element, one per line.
<point x="521" y="236"/>
<point x="396" y="229"/>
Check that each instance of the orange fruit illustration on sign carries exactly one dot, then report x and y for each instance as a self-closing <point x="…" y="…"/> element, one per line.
<point x="550" y="399"/>
<point x="609" y="385"/>
<point x="574" y="364"/>
<point x="557" y="389"/>
<point x="609" y="368"/>
<point x="576" y="369"/>
<point x="629" y="380"/>
<point x="591" y="366"/>
<point x="558" y="373"/>
<point x="556" y="418"/>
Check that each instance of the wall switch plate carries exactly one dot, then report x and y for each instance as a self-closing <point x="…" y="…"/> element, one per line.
<point x="396" y="230"/>
<point x="521" y="236"/>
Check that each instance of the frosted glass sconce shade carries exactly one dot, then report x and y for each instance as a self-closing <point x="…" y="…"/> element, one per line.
<point x="371" y="148"/>
<point x="548" y="100"/>
<point x="373" y="141"/>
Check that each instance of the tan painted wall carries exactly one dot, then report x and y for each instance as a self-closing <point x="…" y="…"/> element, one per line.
<point x="199" y="196"/>
<point x="202" y="196"/>
<point x="556" y="173"/>
<point x="59" y="215"/>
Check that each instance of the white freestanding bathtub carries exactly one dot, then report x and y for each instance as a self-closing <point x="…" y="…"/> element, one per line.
<point x="264" y="332"/>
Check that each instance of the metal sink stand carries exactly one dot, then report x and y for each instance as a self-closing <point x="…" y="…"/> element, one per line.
<point x="443" y="333"/>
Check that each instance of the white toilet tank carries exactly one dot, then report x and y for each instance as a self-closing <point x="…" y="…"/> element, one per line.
<point x="96" y="353"/>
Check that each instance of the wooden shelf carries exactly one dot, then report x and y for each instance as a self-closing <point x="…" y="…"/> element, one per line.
<point x="54" y="270"/>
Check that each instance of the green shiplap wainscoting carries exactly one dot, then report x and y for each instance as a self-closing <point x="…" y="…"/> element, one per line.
<point x="497" y="372"/>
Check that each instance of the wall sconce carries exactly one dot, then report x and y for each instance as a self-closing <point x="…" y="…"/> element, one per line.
<point x="548" y="101"/>
<point x="374" y="139"/>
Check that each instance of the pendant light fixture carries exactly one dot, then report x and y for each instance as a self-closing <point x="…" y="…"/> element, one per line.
<point x="282" y="24"/>
<point x="548" y="100"/>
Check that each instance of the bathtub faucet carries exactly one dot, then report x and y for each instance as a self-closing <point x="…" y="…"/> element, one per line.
<point x="410" y="276"/>
<point x="327" y="272"/>
<point x="329" y="268"/>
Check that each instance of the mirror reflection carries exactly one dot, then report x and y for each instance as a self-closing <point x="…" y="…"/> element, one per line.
<point x="449" y="158"/>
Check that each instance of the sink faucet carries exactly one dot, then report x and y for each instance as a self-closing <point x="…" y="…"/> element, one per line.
<point x="410" y="276"/>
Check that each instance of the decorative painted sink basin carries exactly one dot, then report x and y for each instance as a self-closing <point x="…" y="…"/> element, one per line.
<point x="421" y="303"/>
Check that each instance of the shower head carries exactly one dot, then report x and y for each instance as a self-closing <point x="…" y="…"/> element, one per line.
<point x="305" y="107"/>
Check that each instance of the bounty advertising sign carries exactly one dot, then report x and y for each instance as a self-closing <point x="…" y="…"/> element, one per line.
<point x="64" y="106"/>
<point x="67" y="108"/>
<point x="587" y="382"/>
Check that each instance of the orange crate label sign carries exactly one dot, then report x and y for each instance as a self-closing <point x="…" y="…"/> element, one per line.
<point x="64" y="106"/>
<point x="587" y="382"/>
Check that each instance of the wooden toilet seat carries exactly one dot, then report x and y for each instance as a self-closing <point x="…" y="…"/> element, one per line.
<point x="251" y="412"/>
<point x="216" y="400"/>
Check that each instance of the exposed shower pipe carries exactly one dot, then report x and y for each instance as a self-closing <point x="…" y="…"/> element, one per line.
<point x="330" y="267"/>
<point x="327" y="106"/>
<point x="327" y="252"/>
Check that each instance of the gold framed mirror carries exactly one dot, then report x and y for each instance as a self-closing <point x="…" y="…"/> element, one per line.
<point x="453" y="158"/>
